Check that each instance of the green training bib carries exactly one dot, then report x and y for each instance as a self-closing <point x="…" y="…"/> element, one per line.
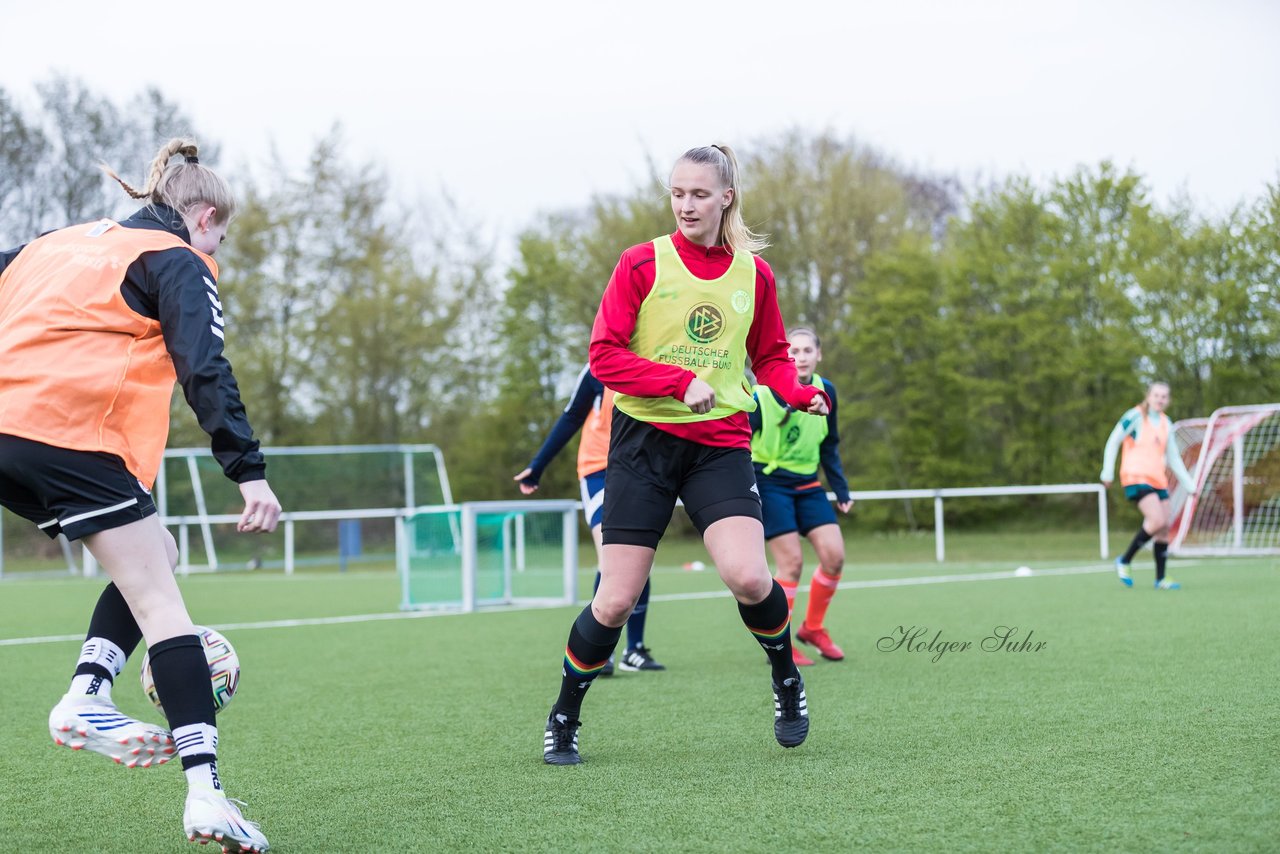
<point x="787" y="440"/>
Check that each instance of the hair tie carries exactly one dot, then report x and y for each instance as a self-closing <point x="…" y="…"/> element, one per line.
<point x="191" y="158"/>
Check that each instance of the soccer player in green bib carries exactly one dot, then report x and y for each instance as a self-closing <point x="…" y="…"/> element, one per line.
<point x="787" y="448"/>
<point x="677" y="323"/>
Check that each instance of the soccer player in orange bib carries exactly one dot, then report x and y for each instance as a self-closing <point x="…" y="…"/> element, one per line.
<point x="1144" y="435"/>
<point x="590" y="410"/>
<point x="96" y="323"/>
<point x="677" y="323"/>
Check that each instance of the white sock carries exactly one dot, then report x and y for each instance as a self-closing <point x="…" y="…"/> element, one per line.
<point x="105" y="654"/>
<point x="88" y="683"/>
<point x="204" y="776"/>
<point x="199" y="740"/>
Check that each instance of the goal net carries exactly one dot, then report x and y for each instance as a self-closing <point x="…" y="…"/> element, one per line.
<point x="508" y="553"/>
<point x="1236" y="505"/>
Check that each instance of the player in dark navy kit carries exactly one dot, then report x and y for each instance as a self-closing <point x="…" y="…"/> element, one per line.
<point x="96" y="322"/>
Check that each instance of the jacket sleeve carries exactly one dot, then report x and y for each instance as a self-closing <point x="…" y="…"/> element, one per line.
<point x="190" y="315"/>
<point x="754" y="418"/>
<point x="767" y="346"/>
<point x="612" y="361"/>
<point x="570" y="422"/>
<point x="829" y="450"/>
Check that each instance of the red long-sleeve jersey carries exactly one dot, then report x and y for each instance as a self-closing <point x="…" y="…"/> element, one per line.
<point x="617" y="367"/>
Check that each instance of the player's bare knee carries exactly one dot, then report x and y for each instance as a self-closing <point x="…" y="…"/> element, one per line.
<point x="749" y="586"/>
<point x="612" y="609"/>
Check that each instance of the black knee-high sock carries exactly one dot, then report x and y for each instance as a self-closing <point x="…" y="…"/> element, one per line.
<point x="635" y="623"/>
<point x="769" y="621"/>
<point x="181" y="672"/>
<point x="1139" y="540"/>
<point x="590" y="645"/>
<point x="1162" y="555"/>
<point x="112" y="637"/>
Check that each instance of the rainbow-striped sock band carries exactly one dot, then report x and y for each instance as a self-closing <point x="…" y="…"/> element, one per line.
<point x="771" y="634"/>
<point x="574" y="664"/>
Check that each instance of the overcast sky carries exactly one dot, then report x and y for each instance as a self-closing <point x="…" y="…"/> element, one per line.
<point x="517" y="107"/>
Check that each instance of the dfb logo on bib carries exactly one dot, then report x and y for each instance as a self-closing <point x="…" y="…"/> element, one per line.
<point x="704" y="323"/>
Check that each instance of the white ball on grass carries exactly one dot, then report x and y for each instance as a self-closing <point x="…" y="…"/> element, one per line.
<point x="1022" y="571"/>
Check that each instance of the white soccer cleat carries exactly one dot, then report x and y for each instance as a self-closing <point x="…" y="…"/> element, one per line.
<point x="210" y="816"/>
<point x="86" y="722"/>
<point x="1122" y="572"/>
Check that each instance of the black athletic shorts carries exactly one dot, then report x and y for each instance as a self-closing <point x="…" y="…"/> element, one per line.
<point x="62" y="491"/>
<point x="649" y="469"/>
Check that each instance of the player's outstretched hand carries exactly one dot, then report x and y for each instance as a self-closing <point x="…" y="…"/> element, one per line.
<point x="844" y="506"/>
<point x="261" y="508"/>
<point x="1106" y="484"/>
<point x="526" y="488"/>
<point x="699" y="397"/>
<point x="817" y="406"/>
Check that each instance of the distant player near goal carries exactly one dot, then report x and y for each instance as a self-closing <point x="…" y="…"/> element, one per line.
<point x="679" y="319"/>
<point x="590" y="410"/>
<point x="787" y="447"/>
<point x="1144" y="435"/>
<point x="96" y="323"/>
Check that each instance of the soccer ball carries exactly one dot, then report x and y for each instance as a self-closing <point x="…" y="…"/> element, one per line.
<point x="224" y="669"/>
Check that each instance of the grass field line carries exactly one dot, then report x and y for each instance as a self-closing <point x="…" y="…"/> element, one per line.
<point x="669" y="597"/>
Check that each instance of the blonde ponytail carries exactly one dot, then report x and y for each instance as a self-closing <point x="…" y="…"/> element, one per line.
<point x="181" y="186"/>
<point x="734" y="235"/>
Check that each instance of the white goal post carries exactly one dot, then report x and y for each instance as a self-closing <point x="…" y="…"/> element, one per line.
<point x="1235" y="507"/>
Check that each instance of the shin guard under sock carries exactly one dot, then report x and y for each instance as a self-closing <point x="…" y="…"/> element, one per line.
<point x="590" y="645"/>
<point x="820" y="592"/>
<point x="1162" y="555"/>
<point x="113" y="635"/>
<point x="1139" y="540"/>
<point x="770" y="624"/>
<point x="181" y="673"/>
<point x="635" y="623"/>
<point x="789" y="589"/>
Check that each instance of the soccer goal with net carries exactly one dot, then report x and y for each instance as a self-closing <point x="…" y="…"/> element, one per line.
<point x="1234" y="457"/>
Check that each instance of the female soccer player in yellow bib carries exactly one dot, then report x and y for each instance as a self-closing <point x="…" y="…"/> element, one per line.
<point x="787" y="447"/>
<point x="1145" y="436"/>
<point x="680" y="317"/>
<point x="96" y="323"/>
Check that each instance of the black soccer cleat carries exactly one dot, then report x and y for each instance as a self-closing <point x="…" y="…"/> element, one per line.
<point x="639" y="658"/>
<point x="790" y="712"/>
<point x="607" y="670"/>
<point x="560" y="742"/>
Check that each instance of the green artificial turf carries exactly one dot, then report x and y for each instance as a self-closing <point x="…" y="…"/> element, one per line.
<point x="1147" y="722"/>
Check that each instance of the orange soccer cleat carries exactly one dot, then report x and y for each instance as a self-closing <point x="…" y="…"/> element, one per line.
<point x="822" y="641"/>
